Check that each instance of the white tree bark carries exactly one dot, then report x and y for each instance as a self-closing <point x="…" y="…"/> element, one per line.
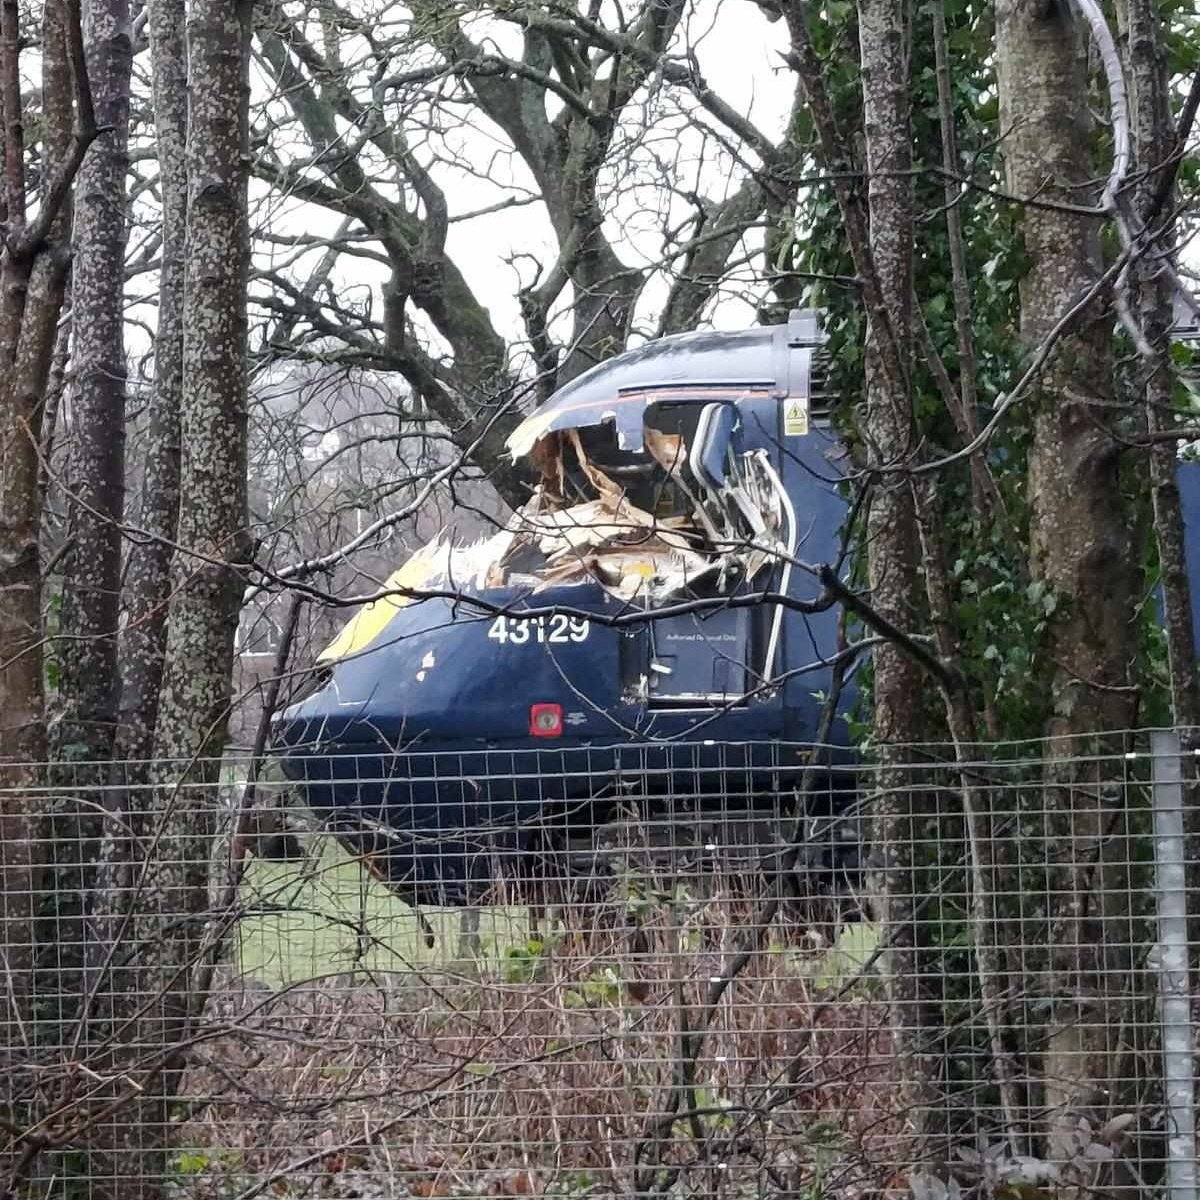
<point x="212" y="542"/>
<point x="206" y="587"/>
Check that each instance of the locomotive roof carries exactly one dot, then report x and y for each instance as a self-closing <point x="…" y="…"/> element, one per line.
<point x="775" y="360"/>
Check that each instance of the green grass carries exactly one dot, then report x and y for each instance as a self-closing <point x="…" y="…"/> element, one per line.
<point x="325" y="915"/>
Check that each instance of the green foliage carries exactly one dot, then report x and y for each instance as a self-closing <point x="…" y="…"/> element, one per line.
<point x="602" y="987"/>
<point x="711" y="1109"/>
<point x="191" y="1162"/>
<point x="526" y="961"/>
<point x="824" y="1148"/>
<point x="1001" y="614"/>
<point x="847" y="959"/>
<point x="51" y="662"/>
<point x="573" y="1185"/>
<point x="216" y="1172"/>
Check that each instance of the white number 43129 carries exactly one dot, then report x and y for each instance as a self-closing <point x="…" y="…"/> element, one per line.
<point x="555" y="629"/>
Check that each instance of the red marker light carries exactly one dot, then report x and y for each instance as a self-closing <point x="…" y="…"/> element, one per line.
<point x="545" y="720"/>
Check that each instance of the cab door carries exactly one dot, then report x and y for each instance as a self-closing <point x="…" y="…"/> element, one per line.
<point x="702" y="657"/>
<point x="718" y="653"/>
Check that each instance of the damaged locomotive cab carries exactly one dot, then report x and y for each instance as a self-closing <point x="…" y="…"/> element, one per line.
<point x="646" y="524"/>
<point x="688" y="505"/>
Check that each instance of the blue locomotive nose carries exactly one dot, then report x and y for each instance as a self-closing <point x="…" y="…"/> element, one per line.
<point x="425" y="750"/>
<point x="445" y="672"/>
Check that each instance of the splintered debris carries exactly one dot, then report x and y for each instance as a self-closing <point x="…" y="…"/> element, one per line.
<point x="562" y="536"/>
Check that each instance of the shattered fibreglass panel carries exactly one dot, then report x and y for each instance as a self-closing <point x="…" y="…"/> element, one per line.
<point x="640" y="524"/>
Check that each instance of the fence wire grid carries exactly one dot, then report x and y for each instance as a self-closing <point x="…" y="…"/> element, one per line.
<point x="691" y="971"/>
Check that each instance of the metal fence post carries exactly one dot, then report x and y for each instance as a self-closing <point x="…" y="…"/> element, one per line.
<point x="1171" y="957"/>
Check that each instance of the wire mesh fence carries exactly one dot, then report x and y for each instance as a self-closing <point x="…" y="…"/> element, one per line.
<point x="641" y="970"/>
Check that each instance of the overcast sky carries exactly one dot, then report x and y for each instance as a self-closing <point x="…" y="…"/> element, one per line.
<point x="739" y="52"/>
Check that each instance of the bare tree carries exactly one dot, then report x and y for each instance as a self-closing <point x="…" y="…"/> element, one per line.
<point x="211" y="544"/>
<point x="212" y="526"/>
<point x="146" y="592"/>
<point x="34" y="260"/>
<point x="94" y="486"/>
<point x="96" y="477"/>
<point x="580" y="110"/>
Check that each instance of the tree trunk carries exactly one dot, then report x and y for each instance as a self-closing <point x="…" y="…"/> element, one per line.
<point x="212" y="524"/>
<point x="893" y="558"/>
<point x="212" y="541"/>
<point x="147" y="577"/>
<point x="212" y="532"/>
<point x="92" y="570"/>
<point x="880" y="239"/>
<point x="147" y="570"/>
<point x="1080" y="549"/>
<point x="1153" y="143"/>
<point x="95" y="491"/>
<point x="33" y="273"/>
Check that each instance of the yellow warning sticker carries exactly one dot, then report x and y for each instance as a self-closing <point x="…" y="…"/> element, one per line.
<point x="795" y="418"/>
